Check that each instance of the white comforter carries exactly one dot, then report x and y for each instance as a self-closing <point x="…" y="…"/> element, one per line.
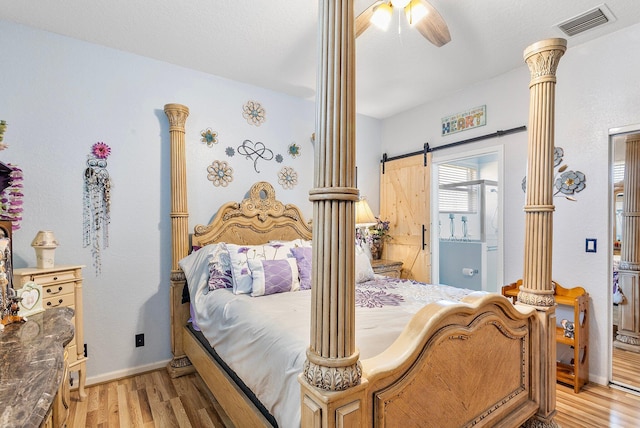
<point x="264" y="339"/>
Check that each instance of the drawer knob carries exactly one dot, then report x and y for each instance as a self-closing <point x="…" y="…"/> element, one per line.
<point x="54" y="292"/>
<point x="52" y="305"/>
<point x="55" y="278"/>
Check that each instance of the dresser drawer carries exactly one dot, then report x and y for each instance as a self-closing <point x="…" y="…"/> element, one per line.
<point x="60" y="300"/>
<point x="48" y="278"/>
<point x="54" y="290"/>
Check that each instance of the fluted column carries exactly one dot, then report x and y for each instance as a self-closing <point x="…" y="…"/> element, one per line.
<point x="628" y="336"/>
<point x="177" y="115"/>
<point x="536" y="290"/>
<point x="332" y="358"/>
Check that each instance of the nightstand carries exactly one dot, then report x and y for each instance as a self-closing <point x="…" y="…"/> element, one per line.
<point x="390" y="268"/>
<point x="62" y="286"/>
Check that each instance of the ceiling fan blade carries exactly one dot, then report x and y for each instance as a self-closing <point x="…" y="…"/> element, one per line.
<point x="363" y="21"/>
<point x="433" y="27"/>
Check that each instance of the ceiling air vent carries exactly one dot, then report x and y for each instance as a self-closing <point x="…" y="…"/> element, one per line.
<point x="600" y="15"/>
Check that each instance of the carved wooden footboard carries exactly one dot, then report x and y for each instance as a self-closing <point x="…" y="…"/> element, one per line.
<point x="457" y="365"/>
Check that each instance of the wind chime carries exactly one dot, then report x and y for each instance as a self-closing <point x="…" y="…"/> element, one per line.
<point x="97" y="203"/>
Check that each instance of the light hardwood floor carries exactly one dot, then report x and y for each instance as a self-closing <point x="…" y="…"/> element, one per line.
<point x="155" y="400"/>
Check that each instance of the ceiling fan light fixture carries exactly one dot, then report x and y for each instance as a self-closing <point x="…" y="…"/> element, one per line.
<point x="415" y="12"/>
<point x="382" y="16"/>
<point x="400" y="4"/>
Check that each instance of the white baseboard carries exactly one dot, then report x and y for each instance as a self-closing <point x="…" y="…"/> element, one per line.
<point x="107" y="377"/>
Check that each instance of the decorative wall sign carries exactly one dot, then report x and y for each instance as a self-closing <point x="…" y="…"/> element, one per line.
<point x="220" y="173"/>
<point x="254" y="113"/>
<point x="255" y="151"/>
<point x="465" y="120"/>
<point x="294" y="150"/>
<point x="209" y="137"/>
<point x="97" y="202"/>
<point x="287" y="177"/>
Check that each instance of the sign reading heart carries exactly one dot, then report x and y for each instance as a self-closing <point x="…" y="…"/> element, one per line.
<point x="31" y="303"/>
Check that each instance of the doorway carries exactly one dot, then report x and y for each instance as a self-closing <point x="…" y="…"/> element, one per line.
<point x="467" y="213"/>
<point x="624" y="263"/>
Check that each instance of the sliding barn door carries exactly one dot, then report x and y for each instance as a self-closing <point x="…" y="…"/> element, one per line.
<point x="404" y="201"/>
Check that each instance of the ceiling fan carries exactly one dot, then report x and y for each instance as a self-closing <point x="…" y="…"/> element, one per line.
<point x="420" y="15"/>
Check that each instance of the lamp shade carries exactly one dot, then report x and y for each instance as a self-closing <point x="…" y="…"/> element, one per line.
<point x="45" y="244"/>
<point x="364" y="215"/>
<point x="46" y="239"/>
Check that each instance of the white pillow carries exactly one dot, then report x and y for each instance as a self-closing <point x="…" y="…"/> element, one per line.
<point x="273" y="276"/>
<point x="364" y="271"/>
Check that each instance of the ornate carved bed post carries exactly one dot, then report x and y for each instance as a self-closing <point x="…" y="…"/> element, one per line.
<point x="628" y="336"/>
<point x="177" y="115"/>
<point x="537" y="290"/>
<point x="332" y="364"/>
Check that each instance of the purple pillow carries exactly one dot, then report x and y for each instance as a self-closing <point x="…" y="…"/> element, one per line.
<point x="273" y="276"/>
<point x="303" y="258"/>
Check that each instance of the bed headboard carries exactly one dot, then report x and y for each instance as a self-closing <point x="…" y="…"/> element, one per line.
<point x="257" y="219"/>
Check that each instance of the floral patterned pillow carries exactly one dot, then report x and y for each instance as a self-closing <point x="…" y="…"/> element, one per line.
<point x="220" y="275"/>
<point x="240" y="256"/>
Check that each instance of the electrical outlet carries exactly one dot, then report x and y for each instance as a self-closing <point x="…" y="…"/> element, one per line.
<point x="139" y="340"/>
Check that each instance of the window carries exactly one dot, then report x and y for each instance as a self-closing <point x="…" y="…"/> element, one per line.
<point x="458" y="192"/>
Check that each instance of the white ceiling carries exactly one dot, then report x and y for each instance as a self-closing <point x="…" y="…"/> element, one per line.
<point x="272" y="43"/>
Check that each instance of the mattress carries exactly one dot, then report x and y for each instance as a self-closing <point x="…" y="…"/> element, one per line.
<point x="264" y="339"/>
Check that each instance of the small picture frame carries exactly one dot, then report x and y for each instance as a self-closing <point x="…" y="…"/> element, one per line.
<point x="30" y="299"/>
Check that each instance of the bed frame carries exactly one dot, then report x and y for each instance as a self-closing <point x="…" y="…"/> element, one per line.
<point x="481" y="362"/>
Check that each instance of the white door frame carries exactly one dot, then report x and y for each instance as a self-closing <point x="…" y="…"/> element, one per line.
<point x="445" y="156"/>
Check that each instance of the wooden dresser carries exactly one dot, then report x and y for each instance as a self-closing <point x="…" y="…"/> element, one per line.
<point x="34" y="385"/>
<point x="62" y="287"/>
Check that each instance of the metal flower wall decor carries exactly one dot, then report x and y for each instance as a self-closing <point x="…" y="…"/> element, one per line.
<point x="97" y="203"/>
<point x="287" y="177"/>
<point x="220" y="173"/>
<point x="566" y="182"/>
<point x="254" y="113"/>
<point x="209" y="137"/>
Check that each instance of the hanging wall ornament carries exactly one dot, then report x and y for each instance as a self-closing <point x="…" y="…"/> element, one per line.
<point x="220" y="173"/>
<point x="97" y="203"/>
<point x="209" y="137"/>
<point x="254" y="113"/>
<point x="10" y="187"/>
<point x="287" y="177"/>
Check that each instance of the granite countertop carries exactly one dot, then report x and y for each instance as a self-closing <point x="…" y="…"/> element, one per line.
<point x="32" y="366"/>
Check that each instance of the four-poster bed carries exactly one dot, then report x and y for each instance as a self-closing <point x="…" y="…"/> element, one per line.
<point x="478" y="362"/>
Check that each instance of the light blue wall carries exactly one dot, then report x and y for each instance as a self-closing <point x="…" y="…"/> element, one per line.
<point x="597" y="90"/>
<point x="59" y="96"/>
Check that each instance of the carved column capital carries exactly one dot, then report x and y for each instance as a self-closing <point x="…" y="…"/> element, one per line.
<point x="177" y="115"/>
<point x="543" y="58"/>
